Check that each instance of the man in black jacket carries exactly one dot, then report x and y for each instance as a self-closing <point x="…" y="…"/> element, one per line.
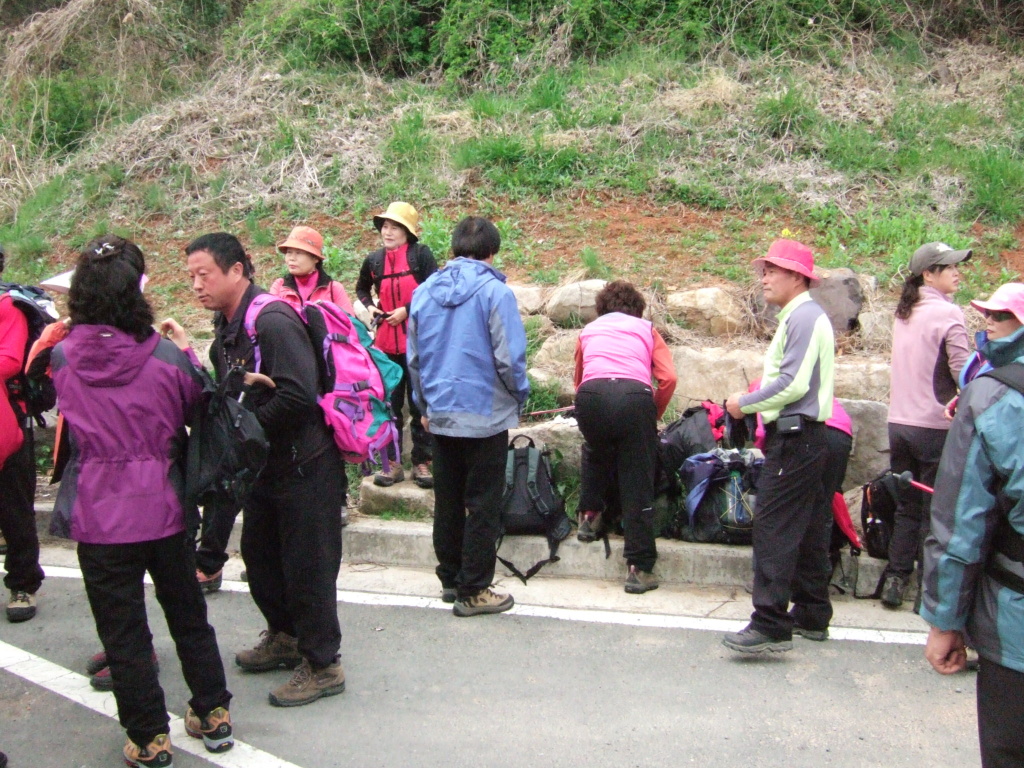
<point x="291" y="531"/>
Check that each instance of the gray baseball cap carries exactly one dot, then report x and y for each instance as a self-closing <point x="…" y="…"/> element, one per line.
<point x="935" y="255"/>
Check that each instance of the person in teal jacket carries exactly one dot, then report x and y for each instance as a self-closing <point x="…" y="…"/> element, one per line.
<point x="973" y="574"/>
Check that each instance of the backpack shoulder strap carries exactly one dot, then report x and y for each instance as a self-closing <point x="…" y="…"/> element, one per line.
<point x="249" y="322"/>
<point x="1012" y="375"/>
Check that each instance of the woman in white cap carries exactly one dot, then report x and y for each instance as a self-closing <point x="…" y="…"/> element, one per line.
<point x="393" y="272"/>
<point x="306" y="280"/>
<point x="929" y="348"/>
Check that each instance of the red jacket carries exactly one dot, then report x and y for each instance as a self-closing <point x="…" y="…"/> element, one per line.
<point x="13" y="339"/>
<point x="326" y="290"/>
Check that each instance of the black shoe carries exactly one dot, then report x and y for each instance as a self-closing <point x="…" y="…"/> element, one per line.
<point x="817" y="635"/>
<point x="750" y="640"/>
<point x="449" y="594"/>
<point x="894" y="590"/>
<point x="590" y="527"/>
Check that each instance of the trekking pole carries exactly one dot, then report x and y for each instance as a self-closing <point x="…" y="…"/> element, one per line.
<point x="907" y="480"/>
<point x="553" y="410"/>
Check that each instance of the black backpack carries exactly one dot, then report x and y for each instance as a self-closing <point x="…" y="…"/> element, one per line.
<point x="878" y="513"/>
<point x="687" y="436"/>
<point x="227" y="448"/>
<point x="531" y="504"/>
<point x="33" y="387"/>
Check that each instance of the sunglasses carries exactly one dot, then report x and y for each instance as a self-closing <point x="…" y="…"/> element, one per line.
<point x="998" y="316"/>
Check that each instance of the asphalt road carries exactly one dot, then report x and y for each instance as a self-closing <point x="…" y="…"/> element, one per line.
<point x="428" y="689"/>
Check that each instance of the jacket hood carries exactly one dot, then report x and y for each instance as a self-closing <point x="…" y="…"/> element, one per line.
<point x="460" y="280"/>
<point x="1006" y="350"/>
<point x="103" y="356"/>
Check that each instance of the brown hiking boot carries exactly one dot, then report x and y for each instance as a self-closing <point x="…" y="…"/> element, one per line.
<point x="275" y="649"/>
<point x="421" y="475"/>
<point x="638" y="582"/>
<point x="387" y="479"/>
<point x="157" y="753"/>
<point x="484" y="601"/>
<point x="307" y="685"/>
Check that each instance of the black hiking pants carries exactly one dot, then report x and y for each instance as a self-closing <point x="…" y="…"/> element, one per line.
<point x="619" y="422"/>
<point x="113" y="576"/>
<point x="218" y="522"/>
<point x="422" y="441"/>
<point x="18" y="518"/>
<point x="791" y="534"/>
<point x="469" y="482"/>
<point x="291" y="547"/>
<point x="1000" y="714"/>
<point x="917" y="449"/>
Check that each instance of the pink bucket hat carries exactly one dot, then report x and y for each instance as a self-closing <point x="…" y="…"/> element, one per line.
<point x="1008" y="297"/>
<point x="791" y="255"/>
<point x="304" y="239"/>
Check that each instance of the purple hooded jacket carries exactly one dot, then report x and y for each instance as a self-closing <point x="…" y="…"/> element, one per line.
<point x="126" y="404"/>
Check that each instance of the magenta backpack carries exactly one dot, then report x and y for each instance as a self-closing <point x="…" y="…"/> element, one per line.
<point x="356" y="379"/>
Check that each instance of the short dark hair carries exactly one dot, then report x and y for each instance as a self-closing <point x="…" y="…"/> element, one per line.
<point x="620" y="296"/>
<point x="476" y="238"/>
<point x="105" y="287"/>
<point x="226" y="250"/>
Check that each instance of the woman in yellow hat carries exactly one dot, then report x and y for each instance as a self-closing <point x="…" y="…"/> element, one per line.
<point x="393" y="272"/>
<point x="306" y="280"/>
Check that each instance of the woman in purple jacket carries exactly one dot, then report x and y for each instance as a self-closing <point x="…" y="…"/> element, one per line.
<point x="126" y="395"/>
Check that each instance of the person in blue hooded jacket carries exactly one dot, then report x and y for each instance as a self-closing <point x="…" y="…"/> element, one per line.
<point x="467" y="364"/>
<point x="973" y="569"/>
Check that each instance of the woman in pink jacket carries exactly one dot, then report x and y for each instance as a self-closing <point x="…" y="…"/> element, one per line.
<point x="306" y="280"/>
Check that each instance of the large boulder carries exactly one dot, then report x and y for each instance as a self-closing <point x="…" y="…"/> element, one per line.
<point x="714" y="372"/>
<point x="565" y="391"/>
<point x="861" y="378"/>
<point x="841" y="295"/>
<point x="876" y="329"/>
<point x="557" y="353"/>
<point x="713" y="311"/>
<point x="575" y="300"/>
<point x="870" y="455"/>
<point x="530" y="298"/>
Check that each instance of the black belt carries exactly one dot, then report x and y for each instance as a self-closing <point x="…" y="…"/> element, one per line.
<point x="806" y="421"/>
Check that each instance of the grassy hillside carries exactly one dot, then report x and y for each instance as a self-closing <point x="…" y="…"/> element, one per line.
<point x="658" y="140"/>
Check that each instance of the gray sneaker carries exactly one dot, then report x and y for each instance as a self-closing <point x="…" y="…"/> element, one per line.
<point x="484" y="601"/>
<point x="817" y="635"/>
<point x="21" y="606"/>
<point x="638" y="582"/>
<point x="750" y="640"/>
<point x="894" y="590"/>
<point x="590" y="527"/>
<point x="274" y="650"/>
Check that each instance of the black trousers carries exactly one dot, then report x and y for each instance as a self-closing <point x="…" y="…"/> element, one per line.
<point x="218" y="521"/>
<point x="918" y="450"/>
<point x="619" y="422"/>
<point x="1000" y="715"/>
<point x="291" y="547"/>
<point x="422" y="441"/>
<point x="18" y="518"/>
<point x="113" y="583"/>
<point x="791" y="534"/>
<point x="469" y="482"/>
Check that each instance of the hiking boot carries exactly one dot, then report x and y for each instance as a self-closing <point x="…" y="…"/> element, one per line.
<point x="101" y="680"/>
<point x="449" y="594"/>
<point x="307" y="685"/>
<point x="157" y="753"/>
<point x="894" y="590"/>
<point x="817" y="635"/>
<point x="422" y="477"/>
<point x="21" y="607"/>
<point x="484" y="601"/>
<point x="211" y="583"/>
<point x="590" y="526"/>
<point x="387" y="479"/>
<point x="638" y="582"/>
<point x="96" y="662"/>
<point x="750" y="640"/>
<point x="274" y="650"/>
<point x="214" y="729"/>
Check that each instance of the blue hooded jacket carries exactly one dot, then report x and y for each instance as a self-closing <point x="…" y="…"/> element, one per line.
<point x="980" y="478"/>
<point x="467" y="351"/>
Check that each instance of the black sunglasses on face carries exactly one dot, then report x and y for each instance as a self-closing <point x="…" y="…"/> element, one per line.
<point x="998" y="316"/>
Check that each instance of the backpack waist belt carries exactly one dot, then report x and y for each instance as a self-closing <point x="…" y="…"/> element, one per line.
<point x="1006" y="564"/>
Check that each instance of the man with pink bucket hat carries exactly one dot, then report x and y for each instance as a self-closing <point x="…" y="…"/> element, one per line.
<point x="791" y="522"/>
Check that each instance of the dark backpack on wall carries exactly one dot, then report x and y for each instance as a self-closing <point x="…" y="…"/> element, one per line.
<point x="878" y="513"/>
<point x="33" y="387"/>
<point x="688" y="435"/>
<point x="531" y="504"/>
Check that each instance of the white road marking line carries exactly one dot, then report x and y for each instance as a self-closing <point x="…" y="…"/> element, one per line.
<point x="652" y="620"/>
<point x="75" y="687"/>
